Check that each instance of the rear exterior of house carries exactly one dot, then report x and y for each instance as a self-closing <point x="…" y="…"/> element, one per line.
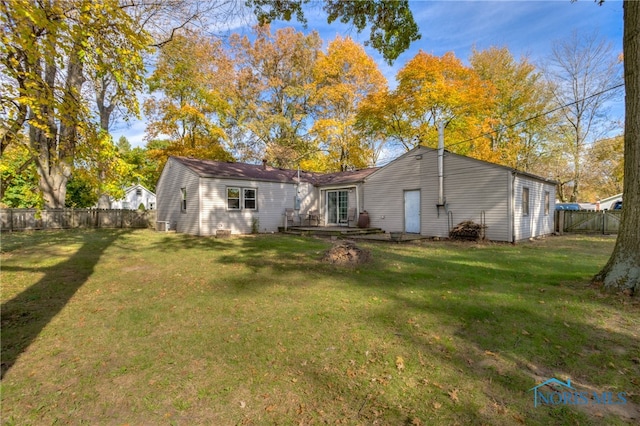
<point x="406" y="196"/>
<point x="202" y="197"/>
<point x="411" y="194"/>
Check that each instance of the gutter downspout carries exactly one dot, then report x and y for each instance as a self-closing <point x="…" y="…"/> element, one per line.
<point x="441" y="197"/>
<point x="357" y="204"/>
<point x="440" y="164"/>
<point x="512" y="207"/>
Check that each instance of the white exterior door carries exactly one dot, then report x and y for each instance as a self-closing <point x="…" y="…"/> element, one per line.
<point x="412" y="212"/>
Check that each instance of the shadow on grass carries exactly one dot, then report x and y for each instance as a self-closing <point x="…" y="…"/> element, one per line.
<point x="489" y="298"/>
<point x="28" y="313"/>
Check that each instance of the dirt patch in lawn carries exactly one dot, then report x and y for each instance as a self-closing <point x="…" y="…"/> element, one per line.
<point x="346" y="253"/>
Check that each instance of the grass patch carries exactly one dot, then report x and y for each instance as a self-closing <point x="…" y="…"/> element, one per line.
<point x="139" y="327"/>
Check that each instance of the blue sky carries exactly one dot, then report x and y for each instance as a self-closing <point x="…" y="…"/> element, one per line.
<point x="528" y="28"/>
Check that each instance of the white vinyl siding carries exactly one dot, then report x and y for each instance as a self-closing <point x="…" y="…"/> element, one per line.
<point x="272" y="198"/>
<point x="174" y="177"/>
<point x="384" y="192"/>
<point x="536" y="223"/>
<point x="472" y="190"/>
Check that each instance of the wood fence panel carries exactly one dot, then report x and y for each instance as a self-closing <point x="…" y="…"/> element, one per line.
<point x="33" y="219"/>
<point x="585" y="221"/>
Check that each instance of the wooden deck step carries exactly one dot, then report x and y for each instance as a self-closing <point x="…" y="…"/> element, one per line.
<point x="332" y="231"/>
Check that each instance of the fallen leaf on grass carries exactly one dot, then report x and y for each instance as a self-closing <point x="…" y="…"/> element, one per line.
<point x="454" y="395"/>
<point x="400" y="363"/>
<point x="437" y="405"/>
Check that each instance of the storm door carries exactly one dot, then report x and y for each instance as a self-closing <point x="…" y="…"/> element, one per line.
<point x="412" y="212"/>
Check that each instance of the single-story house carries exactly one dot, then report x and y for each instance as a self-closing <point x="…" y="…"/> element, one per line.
<point x="428" y="193"/>
<point x="134" y="196"/>
<point x="201" y="197"/>
<point x="424" y="191"/>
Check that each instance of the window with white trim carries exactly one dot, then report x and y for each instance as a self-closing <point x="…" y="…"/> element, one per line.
<point x="233" y="198"/>
<point x="242" y="198"/>
<point x="249" y="198"/>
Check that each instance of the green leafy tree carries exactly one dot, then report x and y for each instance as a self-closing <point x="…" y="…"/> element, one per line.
<point x="81" y="192"/>
<point x="391" y="24"/>
<point x="19" y="178"/>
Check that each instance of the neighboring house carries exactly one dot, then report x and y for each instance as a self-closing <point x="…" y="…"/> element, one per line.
<point x="133" y="197"/>
<point x="200" y="197"/>
<point x="408" y="195"/>
<point x="609" y="203"/>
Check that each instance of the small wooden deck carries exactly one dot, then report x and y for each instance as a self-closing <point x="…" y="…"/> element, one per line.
<point x="329" y="231"/>
<point x="370" y="234"/>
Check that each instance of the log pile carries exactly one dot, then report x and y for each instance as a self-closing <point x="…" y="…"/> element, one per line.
<point x="346" y="253"/>
<point x="467" y="231"/>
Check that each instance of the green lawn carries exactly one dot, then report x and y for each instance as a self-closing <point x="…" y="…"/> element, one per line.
<point x="138" y="327"/>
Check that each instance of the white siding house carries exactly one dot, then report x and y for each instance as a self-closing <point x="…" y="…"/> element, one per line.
<point x="134" y="196"/>
<point x="202" y="197"/>
<point x="406" y="196"/>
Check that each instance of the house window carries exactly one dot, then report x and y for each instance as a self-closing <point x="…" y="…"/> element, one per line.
<point x="138" y="192"/>
<point x="183" y="202"/>
<point x="546" y="203"/>
<point x="242" y="198"/>
<point x="249" y="198"/>
<point x="233" y="198"/>
<point x="525" y="201"/>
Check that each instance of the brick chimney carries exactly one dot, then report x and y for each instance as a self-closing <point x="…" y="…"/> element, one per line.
<point x="264" y="164"/>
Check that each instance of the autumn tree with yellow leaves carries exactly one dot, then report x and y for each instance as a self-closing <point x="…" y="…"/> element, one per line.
<point x="344" y="77"/>
<point x="47" y="52"/>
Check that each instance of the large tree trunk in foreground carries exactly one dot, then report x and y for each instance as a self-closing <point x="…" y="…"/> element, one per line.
<point x="622" y="272"/>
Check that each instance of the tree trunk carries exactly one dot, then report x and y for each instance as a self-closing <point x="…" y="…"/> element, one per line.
<point x="53" y="184"/>
<point x="56" y="148"/>
<point x="622" y="272"/>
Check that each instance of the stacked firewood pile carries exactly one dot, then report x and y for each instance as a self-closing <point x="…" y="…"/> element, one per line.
<point x="468" y="231"/>
<point x="346" y="253"/>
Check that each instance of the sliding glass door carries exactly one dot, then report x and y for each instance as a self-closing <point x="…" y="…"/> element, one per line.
<point x="337" y="206"/>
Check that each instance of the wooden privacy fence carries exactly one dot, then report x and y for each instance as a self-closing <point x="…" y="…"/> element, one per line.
<point x="32" y="219"/>
<point x="586" y="221"/>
